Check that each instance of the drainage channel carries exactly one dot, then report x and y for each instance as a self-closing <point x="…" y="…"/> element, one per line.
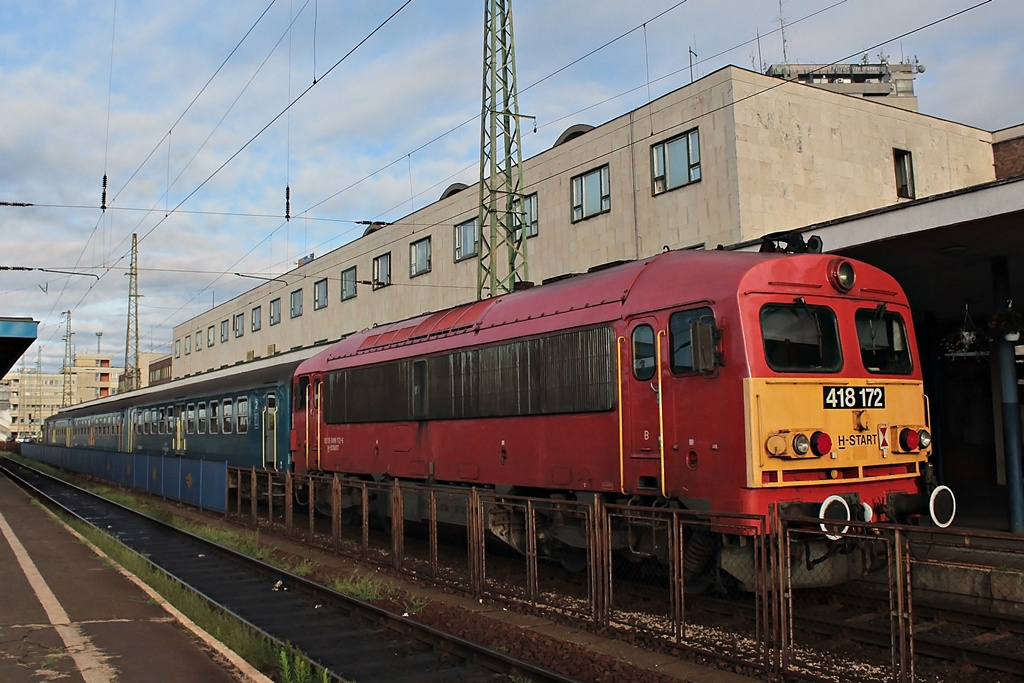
<point x="352" y="639"/>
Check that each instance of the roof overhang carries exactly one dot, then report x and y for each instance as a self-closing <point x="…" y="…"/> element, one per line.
<point x="16" y="335"/>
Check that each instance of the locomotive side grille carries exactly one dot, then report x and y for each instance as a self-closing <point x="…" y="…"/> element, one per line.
<point x="564" y="373"/>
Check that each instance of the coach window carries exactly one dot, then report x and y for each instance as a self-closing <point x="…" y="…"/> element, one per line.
<point x="591" y="194"/>
<point x="160" y="421"/>
<point x="883" y="341"/>
<point x="348" y="283"/>
<point x="275" y="312"/>
<point x="676" y="162"/>
<point x="201" y="427"/>
<point x="644" y="361"/>
<point x="242" y="410"/>
<point x="190" y="418"/>
<point x="223" y="331"/>
<point x="214" y="417"/>
<point x="800" y="338"/>
<point x="680" y="332"/>
<point x="210" y="335"/>
<point x="296" y="303"/>
<point x="257" y="318"/>
<point x="227" y="410"/>
<point x="320" y="294"/>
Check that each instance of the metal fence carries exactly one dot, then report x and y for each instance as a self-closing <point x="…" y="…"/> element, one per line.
<point x="635" y="569"/>
<point x="202" y="483"/>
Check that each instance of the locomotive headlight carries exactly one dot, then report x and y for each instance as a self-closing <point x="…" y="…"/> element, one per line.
<point x="841" y="274"/>
<point x="924" y="438"/>
<point x="801" y="444"/>
<point x="910" y="439"/>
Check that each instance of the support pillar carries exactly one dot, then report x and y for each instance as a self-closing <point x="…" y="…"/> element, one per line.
<point x="1006" y="360"/>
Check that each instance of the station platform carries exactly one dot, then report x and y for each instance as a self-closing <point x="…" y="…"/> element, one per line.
<point x="66" y="613"/>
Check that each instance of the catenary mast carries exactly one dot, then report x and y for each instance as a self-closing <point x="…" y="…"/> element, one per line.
<point x="501" y="175"/>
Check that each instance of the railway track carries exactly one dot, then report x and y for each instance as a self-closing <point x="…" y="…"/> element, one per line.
<point x="352" y="639"/>
<point x="943" y="631"/>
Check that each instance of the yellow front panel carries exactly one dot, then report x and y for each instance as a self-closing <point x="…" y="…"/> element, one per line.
<point x="864" y="437"/>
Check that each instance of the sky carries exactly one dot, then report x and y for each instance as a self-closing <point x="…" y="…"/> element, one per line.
<point x="201" y="113"/>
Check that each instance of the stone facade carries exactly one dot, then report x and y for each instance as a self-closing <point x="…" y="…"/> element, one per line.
<point x="773" y="156"/>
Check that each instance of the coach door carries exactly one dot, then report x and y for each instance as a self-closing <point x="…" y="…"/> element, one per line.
<point x="641" y="407"/>
<point x="270" y="431"/>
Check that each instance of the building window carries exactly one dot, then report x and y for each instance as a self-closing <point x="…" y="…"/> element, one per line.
<point x="188" y="344"/>
<point x="238" y="322"/>
<point x="382" y="271"/>
<point x="223" y="331"/>
<point x="199" y="340"/>
<point x="275" y="311"/>
<point x="591" y="194"/>
<point x="419" y="257"/>
<point x="348" y="283"/>
<point x="296" y="303"/>
<point x="177" y="348"/>
<point x="676" y="162"/>
<point x="320" y="294"/>
<point x="257" y="318"/>
<point x="526" y="215"/>
<point x="904" y="173"/>
<point x="211" y="335"/>
<point x="466" y="240"/>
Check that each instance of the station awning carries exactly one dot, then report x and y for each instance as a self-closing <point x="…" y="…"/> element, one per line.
<point x="16" y="335"/>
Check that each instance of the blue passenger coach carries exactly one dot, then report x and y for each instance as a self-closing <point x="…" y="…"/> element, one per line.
<point x="239" y="414"/>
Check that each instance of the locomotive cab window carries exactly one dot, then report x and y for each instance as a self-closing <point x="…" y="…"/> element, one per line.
<point x="644" y="361"/>
<point x="883" y="341"/>
<point x="691" y="331"/>
<point x="800" y="338"/>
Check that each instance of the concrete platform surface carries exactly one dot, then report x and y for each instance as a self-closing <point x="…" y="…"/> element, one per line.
<point x="68" y="614"/>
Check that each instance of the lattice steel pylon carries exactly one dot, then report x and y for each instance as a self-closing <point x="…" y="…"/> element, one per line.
<point x="501" y="159"/>
<point x="65" y="397"/>
<point x="131" y="342"/>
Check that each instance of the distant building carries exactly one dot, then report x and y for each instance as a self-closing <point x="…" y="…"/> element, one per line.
<point x="891" y="84"/>
<point x="30" y="396"/>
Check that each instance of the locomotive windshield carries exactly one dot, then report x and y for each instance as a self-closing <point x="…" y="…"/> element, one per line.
<point x="883" y="341"/>
<point x="801" y="338"/>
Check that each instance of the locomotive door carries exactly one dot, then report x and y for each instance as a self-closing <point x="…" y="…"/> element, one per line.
<point x="642" y="417"/>
<point x="270" y="431"/>
<point x="313" y="424"/>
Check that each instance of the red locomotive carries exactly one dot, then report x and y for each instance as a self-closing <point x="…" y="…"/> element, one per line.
<point x="718" y="381"/>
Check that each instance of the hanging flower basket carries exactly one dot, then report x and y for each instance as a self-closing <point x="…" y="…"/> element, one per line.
<point x="967" y="341"/>
<point x="1008" y="322"/>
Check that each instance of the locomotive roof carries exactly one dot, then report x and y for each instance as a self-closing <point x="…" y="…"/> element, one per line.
<point x="670" y="279"/>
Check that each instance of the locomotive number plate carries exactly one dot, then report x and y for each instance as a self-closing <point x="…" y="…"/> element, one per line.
<point x="856" y="398"/>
